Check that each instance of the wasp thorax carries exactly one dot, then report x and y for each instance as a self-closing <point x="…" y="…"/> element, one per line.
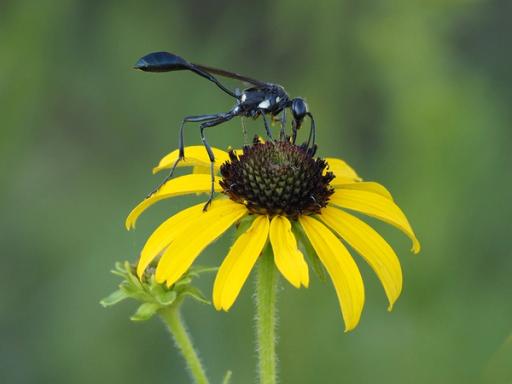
<point x="277" y="178"/>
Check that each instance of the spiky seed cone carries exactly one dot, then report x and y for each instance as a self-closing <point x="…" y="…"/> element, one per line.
<point x="277" y="178"/>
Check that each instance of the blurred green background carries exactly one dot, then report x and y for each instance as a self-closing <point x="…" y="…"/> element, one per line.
<point x="416" y="96"/>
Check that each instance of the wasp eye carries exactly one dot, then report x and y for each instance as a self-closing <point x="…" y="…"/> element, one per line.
<point x="299" y="108"/>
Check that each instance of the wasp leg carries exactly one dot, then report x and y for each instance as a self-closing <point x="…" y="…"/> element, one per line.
<point x="312" y="132"/>
<point x="244" y="131"/>
<point x="294" y="131"/>
<point x="282" y="122"/>
<point x="181" y="145"/>
<point x="219" y="120"/>
<point x="267" y="127"/>
<point x="282" y="132"/>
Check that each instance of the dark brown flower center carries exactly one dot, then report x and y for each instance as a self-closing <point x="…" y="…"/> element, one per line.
<point x="277" y="178"/>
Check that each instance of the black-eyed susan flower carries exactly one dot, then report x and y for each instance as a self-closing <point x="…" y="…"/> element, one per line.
<point x="275" y="184"/>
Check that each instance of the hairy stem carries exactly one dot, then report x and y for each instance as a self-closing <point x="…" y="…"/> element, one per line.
<point x="266" y="283"/>
<point x="174" y="322"/>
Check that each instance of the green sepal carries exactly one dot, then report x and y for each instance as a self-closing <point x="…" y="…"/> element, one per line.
<point x="227" y="377"/>
<point x="197" y="270"/>
<point x="154" y="296"/>
<point x="156" y="289"/>
<point x="145" y="312"/>
<point x="167" y="298"/>
<point x="195" y="293"/>
<point x="308" y="250"/>
<point x="114" y="298"/>
<point x="184" y="281"/>
<point x="130" y="290"/>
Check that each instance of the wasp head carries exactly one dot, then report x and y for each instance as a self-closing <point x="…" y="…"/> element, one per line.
<point x="299" y="111"/>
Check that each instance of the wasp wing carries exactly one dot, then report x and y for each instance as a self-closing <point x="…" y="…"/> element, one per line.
<point x="231" y="75"/>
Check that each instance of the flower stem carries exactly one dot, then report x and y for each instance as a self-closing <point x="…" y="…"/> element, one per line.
<point x="266" y="284"/>
<point x="174" y="322"/>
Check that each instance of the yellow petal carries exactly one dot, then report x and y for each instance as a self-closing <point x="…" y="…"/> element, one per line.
<point x="341" y="268"/>
<point x="343" y="172"/>
<point x="238" y="263"/>
<point x="164" y="234"/>
<point x="201" y="169"/>
<point x="196" y="236"/>
<point x="182" y="185"/>
<point x="369" y="186"/>
<point x="287" y="256"/>
<point x="375" y="205"/>
<point x="338" y="182"/>
<point x="371" y="246"/>
<point x="194" y="155"/>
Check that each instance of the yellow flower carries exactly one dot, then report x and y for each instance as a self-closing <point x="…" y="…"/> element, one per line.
<point x="275" y="185"/>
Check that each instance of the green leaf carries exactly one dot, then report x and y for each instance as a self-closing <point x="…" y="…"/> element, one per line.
<point x="114" y="298"/>
<point x="145" y="312"/>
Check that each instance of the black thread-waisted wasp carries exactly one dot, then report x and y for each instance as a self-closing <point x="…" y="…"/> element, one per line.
<point x="260" y="99"/>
